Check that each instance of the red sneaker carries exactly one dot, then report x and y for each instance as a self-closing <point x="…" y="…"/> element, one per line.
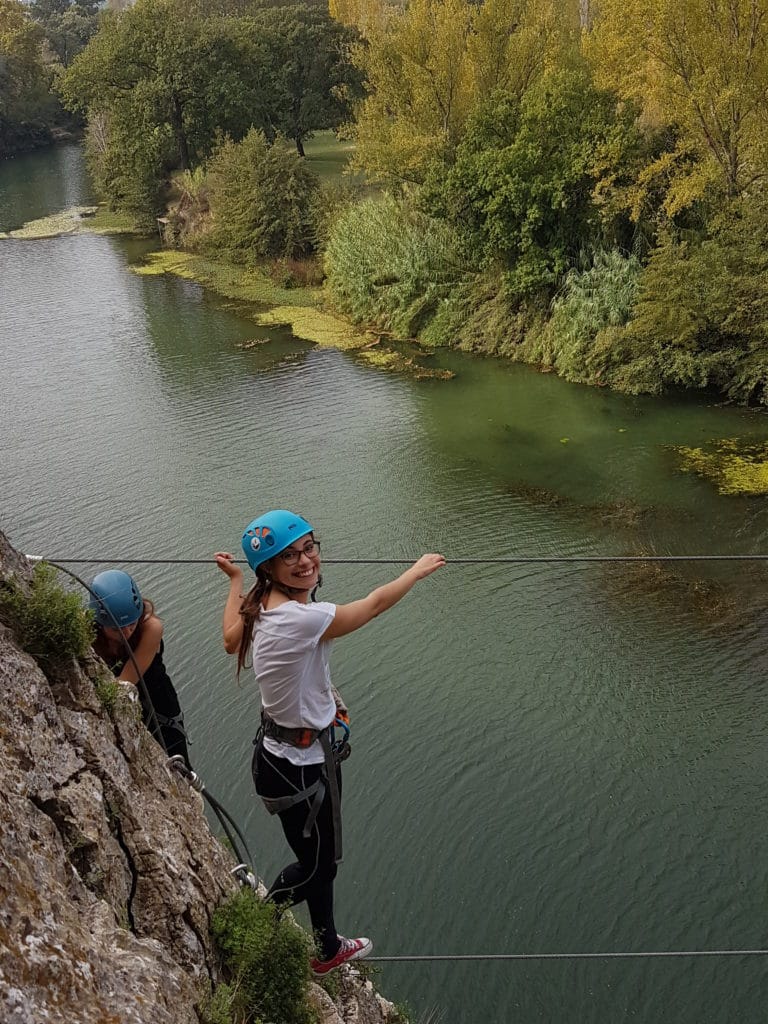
<point x="350" y="949"/>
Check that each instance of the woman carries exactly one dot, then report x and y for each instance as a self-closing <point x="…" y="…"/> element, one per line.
<point x="295" y="767"/>
<point x="123" y="617"/>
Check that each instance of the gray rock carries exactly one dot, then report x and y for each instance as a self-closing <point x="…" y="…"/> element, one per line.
<point x="109" y="873"/>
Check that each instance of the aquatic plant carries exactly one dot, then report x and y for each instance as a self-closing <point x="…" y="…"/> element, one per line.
<point x="76" y="220"/>
<point x="250" y="286"/>
<point x="672" y="591"/>
<point x="315" y="325"/>
<point x="733" y="465"/>
<point x="397" y="362"/>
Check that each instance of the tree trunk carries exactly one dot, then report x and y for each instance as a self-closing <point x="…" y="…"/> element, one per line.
<point x="300" y="146"/>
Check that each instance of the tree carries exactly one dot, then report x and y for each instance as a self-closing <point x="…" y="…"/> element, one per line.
<point x="428" y="66"/>
<point x="67" y="26"/>
<point x="162" y="71"/>
<point x="701" y="66"/>
<point x="702" y="311"/>
<point x="306" y="56"/>
<point x="523" y="189"/>
<point x="24" y="98"/>
<point x="166" y="86"/>
<point x="260" y="198"/>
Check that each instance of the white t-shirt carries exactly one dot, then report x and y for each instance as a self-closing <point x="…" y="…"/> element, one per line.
<point x="291" y="668"/>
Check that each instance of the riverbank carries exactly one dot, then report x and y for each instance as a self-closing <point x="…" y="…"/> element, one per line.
<point x="396" y="290"/>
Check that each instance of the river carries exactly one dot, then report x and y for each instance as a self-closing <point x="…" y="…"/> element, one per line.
<point x="548" y="757"/>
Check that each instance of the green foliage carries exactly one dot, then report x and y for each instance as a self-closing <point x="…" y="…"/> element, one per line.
<point x="67" y="26"/>
<point x="598" y="296"/>
<point x="164" y="81"/>
<point x="306" y="58"/>
<point x="130" y="170"/>
<point x="702" y="312"/>
<point x="220" y="1008"/>
<point x="107" y="690"/>
<point x="164" y="84"/>
<point x="702" y="67"/>
<point x="522" y="192"/>
<point x="391" y="265"/>
<point x="50" y="623"/>
<point x="26" y="106"/>
<point x="267" y="958"/>
<point x="428" y="63"/>
<point x="260" y="199"/>
<point x="328" y="202"/>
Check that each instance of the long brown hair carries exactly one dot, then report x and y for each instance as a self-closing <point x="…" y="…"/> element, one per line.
<point x="249" y="610"/>
<point x="251" y="605"/>
<point x="105" y="649"/>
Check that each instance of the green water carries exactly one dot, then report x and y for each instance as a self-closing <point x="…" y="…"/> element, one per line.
<point x="547" y="757"/>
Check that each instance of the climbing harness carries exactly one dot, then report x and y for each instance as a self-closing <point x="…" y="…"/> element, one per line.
<point x="334" y="752"/>
<point x="175" y="722"/>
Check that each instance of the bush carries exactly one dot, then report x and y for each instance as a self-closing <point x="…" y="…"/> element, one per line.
<point x="107" y="690"/>
<point x="390" y="265"/>
<point x="702" y="308"/>
<point x="267" y="958"/>
<point x="522" y="191"/>
<point x="597" y="296"/>
<point x="129" y="168"/>
<point x="260" y="198"/>
<point x="50" y="623"/>
<point x="328" y="202"/>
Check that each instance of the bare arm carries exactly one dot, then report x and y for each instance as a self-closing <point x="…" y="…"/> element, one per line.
<point x="350" y="617"/>
<point x="146" y="649"/>
<point x="232" y="623"/>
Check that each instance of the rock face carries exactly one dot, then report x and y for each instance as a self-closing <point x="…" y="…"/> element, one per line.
<point x="109" y="873"/>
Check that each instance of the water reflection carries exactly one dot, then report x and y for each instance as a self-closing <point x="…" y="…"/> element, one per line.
<point x="36" y="184"/>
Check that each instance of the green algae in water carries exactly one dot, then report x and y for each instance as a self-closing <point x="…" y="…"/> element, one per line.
<point x="396" y="362"/>
<point x="226" y="279"/>
<point x="735" y="467"/>
<point x="315" y="325"/>
<point x="77" y="220"/>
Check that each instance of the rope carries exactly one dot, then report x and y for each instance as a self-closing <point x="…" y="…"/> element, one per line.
<point x="512" y="560"/>
<point x="569" y="956"/>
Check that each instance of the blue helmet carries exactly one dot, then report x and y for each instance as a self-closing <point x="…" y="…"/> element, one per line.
<point x="272" y="533"/>
<point x="116" y="592"/>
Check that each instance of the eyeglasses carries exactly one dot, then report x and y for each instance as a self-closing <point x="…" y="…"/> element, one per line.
<point x="291" y="555"/>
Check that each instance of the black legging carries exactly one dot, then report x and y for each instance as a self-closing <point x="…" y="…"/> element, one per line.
<point x="311" y="877"/>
